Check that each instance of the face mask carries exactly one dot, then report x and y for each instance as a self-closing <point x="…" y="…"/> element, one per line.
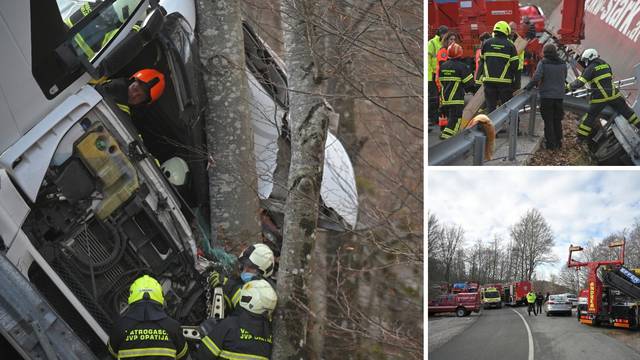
<point x="247" y="276"/>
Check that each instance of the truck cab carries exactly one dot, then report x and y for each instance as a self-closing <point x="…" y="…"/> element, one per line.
<point x="491" y="298"/>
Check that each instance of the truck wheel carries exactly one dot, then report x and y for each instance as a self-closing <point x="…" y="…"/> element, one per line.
<point x="610" y="152"/>
<point x="460" y="312"/>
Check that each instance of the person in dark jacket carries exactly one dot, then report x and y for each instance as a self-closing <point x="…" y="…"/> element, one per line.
<point x="499" y="63"/>
<point x="145" y="331"/>
<point x="550" y="78"/>
<point x="246" y="333"/>
<point x="539" y="301"/>
<point x="456" y="78"/>
<point x="599" y="76"/>
<point x="144" y="87"/>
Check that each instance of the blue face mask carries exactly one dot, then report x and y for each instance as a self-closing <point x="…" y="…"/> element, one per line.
<point x="247" y="276"/>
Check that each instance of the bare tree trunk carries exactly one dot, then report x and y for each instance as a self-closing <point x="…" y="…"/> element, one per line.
<point x="309" y="119"/>
<point x="233" y="181"/>
<point x="318" y="302"/>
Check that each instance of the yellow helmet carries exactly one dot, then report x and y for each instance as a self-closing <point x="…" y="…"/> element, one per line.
<point x="146" y="285"/>
<point x="502" y="27"/>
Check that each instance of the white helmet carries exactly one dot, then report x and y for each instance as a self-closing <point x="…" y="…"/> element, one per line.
<point x="258" y="297"/>
<point x="589" y="55"/>
<point x="176" y="170"/>
<point x="261" y="256"/>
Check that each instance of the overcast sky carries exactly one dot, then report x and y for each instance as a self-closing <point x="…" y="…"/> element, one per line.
<point x="578" y="205"/>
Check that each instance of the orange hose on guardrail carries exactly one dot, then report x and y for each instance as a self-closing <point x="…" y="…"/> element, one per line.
<point x="489" y="130"/>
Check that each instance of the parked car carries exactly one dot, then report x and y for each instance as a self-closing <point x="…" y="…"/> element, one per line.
<point x="558" y="304"/>
<point x="573" y="299"/>
<point x="461" y="304"/>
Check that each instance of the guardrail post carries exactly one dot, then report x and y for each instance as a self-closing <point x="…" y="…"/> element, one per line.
<point x="533" y="102"/>
<point x="513" y="133"/>
<point x="478" y="149"/>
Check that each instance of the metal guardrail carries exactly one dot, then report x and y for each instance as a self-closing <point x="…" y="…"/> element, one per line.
<point x="473" y="139"/>
<point x="30" y="324"/>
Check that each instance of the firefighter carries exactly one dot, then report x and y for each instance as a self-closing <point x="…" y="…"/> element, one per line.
<point x="498" y="61"/>
<point x="432" y="91"/>
<point x="599" y="76"/>
<point x="245" y="334"/>
<point x="531" y="300"/>
<point x="456" y="78"/>
<point x="255" y="262"/>
<point x="518" y="75"/>
<point x="144" y="87"/>
<point x="145" y="331"/>
<point x="103" y="28"/>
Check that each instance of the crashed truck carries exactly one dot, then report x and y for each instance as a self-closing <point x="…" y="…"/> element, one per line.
<point x="84" y="207"/>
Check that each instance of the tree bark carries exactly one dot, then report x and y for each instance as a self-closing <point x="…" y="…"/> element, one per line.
<point x="318" y="302"/>
<point x="309" y="121"/>
<point x="232" y="176"/>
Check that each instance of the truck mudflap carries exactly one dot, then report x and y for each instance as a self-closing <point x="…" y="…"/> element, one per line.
<point x="30" y="324"/>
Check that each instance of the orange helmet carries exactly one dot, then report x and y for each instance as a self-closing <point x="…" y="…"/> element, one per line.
<point x="154" y="81"/>
<point x="454" y="51"/>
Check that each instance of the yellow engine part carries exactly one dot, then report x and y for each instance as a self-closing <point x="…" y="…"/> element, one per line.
<point x="101" y="153"/>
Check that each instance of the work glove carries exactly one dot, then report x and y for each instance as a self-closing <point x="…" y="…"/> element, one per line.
<point x="216" y="279"/>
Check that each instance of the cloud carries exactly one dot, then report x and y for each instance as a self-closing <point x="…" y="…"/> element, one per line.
<point x="578" y="205"/>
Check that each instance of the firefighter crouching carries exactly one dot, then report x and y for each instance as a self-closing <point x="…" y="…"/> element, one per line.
<point x="456" y="78"/>
<point x="145" y="331"/>
<point x="246" y="333"/>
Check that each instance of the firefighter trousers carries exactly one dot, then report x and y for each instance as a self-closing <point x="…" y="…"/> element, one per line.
<point x="496" y="93"/>
<point x="588" y="123"/>
<point x="434" y="102"/>
<point x="454" y="120"/>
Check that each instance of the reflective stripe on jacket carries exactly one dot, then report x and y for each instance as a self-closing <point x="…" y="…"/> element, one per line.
<point x="599" y="76"/>
<point x="497" y="61"/>
<point x="455" y="77"/>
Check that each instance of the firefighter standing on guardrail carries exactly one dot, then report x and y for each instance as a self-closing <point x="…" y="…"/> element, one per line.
<point x="499" y="63"/>
<point x="456" y="78"/>
<point x="145" y="331"/>
<point x="599" y="76"/>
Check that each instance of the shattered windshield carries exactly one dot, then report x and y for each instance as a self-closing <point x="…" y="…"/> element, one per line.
<point x="96" y="34"/>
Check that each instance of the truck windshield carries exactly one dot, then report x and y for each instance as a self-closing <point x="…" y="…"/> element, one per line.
<point x="96" y="34"/>
<point x="491" y="294"/>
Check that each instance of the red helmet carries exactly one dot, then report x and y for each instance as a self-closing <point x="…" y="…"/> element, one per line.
<point x="454" y="51"/>
<point x="154" y="81"/>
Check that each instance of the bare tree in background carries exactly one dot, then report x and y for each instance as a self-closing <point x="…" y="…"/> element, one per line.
<point x="534" y="240"/>
<point x="232" y="176"/>
<point x="452" y="238"/>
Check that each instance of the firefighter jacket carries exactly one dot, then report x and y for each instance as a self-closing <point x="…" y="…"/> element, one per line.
<point x="231" y="290"/>
<point x="455" y="77"/>
<point x="531" y="298"/>
<point x="118" y="90"/>
<point x="599" y="76"/>
<point x="242" y="335"/>
<point x="146" y="332"/>
<point x="498" y="61"/>
<point x="432" y="50"/>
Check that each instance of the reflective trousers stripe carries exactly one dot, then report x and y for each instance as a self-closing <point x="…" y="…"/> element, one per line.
<point x="129" y="353"/>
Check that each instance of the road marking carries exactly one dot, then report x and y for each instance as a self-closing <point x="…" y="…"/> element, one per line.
<point x="528" y="332"/>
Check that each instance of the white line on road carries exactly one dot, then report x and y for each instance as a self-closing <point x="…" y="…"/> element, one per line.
<point x="528" y="332"/>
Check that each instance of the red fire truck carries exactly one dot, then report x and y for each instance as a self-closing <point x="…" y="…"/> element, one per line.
<point x="515" y="293"/>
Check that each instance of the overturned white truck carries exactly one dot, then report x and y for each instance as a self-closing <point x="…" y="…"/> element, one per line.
<point x="84" y="207"/>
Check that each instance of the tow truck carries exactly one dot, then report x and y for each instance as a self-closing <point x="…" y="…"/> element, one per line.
<point x="614" y="299"/>
<point x="84" y="206"/>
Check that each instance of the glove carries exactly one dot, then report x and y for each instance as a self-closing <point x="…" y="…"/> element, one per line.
<point x="214" y="279"/>
<point x="529" y="86"/>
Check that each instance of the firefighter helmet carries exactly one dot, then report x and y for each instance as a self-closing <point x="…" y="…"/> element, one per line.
<point x="258" y="297"/>
<point x="502" y="27"/>
<point x="154" y="82"/>
<point x="261" y="256"/>
<point x="589" y="55"/>
<point x="176" y="170"/>
<point x="146" y="285"/>
<point x="454" y="51"/>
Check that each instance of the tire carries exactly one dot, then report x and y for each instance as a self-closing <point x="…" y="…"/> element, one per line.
<point x="500" y="306"/>
<point x="610" y="152"/>
<point x="467" y="313"/>
<point x="548" y="314"/>
<point x="460" y="312"/>
<point x="569" y="313"/>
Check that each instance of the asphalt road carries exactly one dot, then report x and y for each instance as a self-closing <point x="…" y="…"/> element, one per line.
<point x="502" y="334"/>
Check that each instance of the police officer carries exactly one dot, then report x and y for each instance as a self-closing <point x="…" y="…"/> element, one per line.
<point x="246" y="333"/>
<point x="599" y="76"/>
<point x="145" y="331"/>
<point x="531" y="300"/>
<point x="499" y="62"/>
<point x="455" y="77"/>
<point x="432" y="90"/>
<point x="255" y="262"/>
<point x="144" y="87"/>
